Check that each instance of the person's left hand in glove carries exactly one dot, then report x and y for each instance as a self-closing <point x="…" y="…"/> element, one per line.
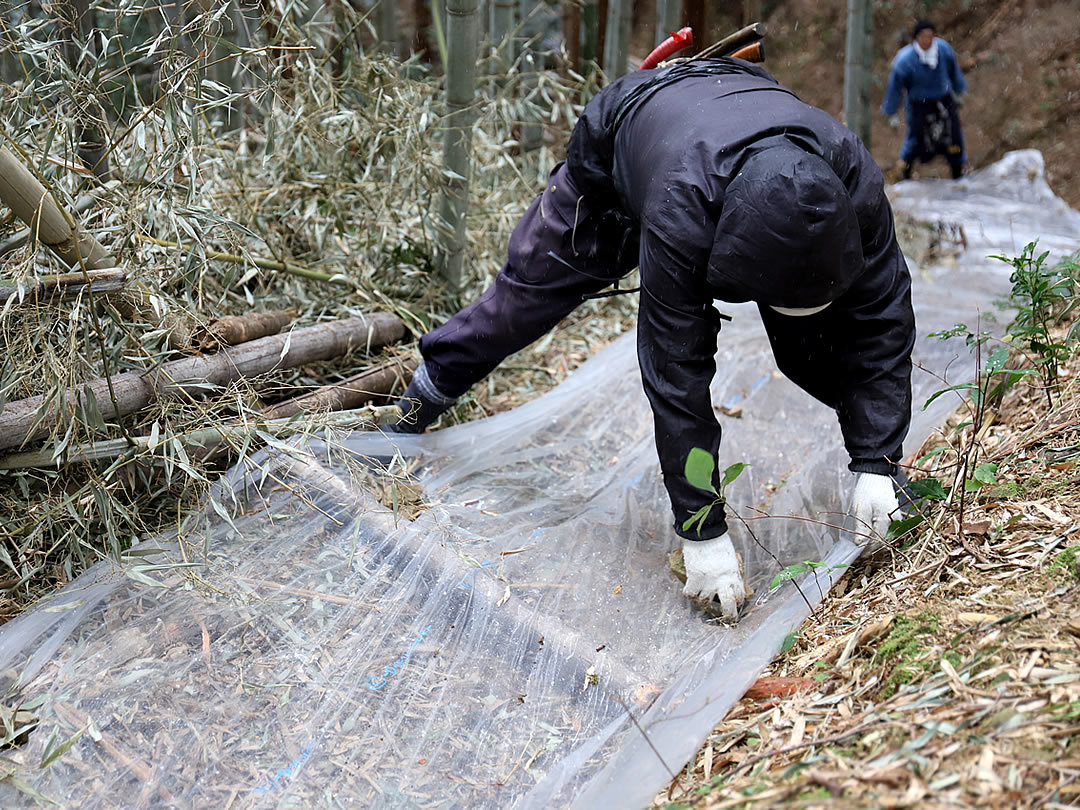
<point x="873" y="505"/>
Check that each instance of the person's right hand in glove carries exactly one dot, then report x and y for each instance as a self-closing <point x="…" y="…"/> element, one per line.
<point x="713" y="570"/>
<point x="894" y="121"/>
<point x="421" y="404"/>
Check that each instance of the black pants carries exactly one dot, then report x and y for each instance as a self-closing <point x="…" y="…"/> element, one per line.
<point x="561" y="250"/>
<point x="935" y="129"/>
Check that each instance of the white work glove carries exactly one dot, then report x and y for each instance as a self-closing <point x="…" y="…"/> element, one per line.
<point x="873" y="505"/>
<point x="894" y="121"/>
<point x="713" y="569"/>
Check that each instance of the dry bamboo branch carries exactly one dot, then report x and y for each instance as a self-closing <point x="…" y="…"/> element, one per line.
<point x="67" y="285"/>
<point x="204" y="439"/>
<point x="235" y="329"/>
<point x="48" y="222"/>
<point x="34" y="418"/>
<point x="349" y="393"/>
<point x="293" y="268"/>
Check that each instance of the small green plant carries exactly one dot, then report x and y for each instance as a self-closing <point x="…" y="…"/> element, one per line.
<point x="789" y="572"/>
<point x="1041" y="295"/>
<point x="1067" y="561"/>
<point x="700" y="470"/>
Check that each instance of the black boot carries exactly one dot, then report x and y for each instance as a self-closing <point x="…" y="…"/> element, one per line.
<point x="906" y="170"/>
<point x="421" y="404"/>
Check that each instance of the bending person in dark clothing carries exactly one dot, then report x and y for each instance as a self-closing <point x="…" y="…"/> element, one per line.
<point x="720" y="184"/>
<point x="926" y="72"/>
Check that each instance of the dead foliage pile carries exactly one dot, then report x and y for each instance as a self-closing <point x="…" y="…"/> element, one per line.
<point x="288" y="197"/>
<point x="944" y="671"/>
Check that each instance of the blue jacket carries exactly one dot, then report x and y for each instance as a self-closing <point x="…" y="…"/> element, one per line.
<point x="911" y="77"/>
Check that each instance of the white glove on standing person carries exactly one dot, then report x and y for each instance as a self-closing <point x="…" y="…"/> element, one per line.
<point x="712" y="569"/>
<point x="894" y="121"/>
<point x="873" y="505"/>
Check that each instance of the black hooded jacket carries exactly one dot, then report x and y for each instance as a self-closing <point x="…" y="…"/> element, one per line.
<point x="743" y="192"/>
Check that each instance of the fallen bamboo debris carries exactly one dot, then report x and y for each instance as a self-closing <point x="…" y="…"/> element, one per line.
<point x="292" y="268"/>
<point x="204" y="440"/>
<point x="83" y="204"/>
<point x="66" y="285"/>
<point x="233" y="330"/>
<point x="349" y="393"/>
<point x="190" y="377"/>
<point x="46" y="220"/>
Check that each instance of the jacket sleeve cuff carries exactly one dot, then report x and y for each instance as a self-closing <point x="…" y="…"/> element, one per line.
<point x="881" y="466"/>
<point x="714" y="525"/>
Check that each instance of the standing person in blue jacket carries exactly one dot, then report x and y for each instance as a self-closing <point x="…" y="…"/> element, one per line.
<point x="926" y="72"/>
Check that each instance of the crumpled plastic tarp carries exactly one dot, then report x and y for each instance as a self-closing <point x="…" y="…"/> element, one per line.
<point x="521" y="641"/>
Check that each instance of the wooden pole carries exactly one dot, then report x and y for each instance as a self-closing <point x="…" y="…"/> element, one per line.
<point x="52" y="226"/>
<point x="462" y="37"/>
<point x="572" y="33"/>
<point x="190" y="377"/>
<point x="694" y="15"/>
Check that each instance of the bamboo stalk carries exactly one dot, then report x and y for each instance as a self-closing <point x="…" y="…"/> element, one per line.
<point x="67" y="284"/>
<point x="350" y="393"/>
<point x="293" y="268"/>
<point x="36" y="417"/>
<point x="203" y="439"/>
<point x="668" y="15"/>
<point x="617" y="44"/>
<point x="388" y="33"/>
<point x="462" y="29"/>
<point x="503" y="14"/>
<point x="48" y="222"/>
<point x="84" y="203"/>
<point x="232" y="330"/>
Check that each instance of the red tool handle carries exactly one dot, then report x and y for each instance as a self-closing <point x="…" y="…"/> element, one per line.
<point x="683" y="38"/>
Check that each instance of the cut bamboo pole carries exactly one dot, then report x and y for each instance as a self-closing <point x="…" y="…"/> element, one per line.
<point x="233" y="330"/>
<point x="200" y="440"/>
<point x="67" y="285"/>
<point x="82" y="205"/>
<point x="462" y="36"/>
<point x="353" y="392"/>
<point x="48" y="222"/>
<point x="29" y="419"/>
<point x="350" y="393"/>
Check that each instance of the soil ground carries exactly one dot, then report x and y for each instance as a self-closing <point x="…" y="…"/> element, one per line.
<point x="1021" y="59"/>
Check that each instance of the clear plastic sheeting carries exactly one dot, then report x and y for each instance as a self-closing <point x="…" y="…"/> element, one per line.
<point x="514" y="638"/>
